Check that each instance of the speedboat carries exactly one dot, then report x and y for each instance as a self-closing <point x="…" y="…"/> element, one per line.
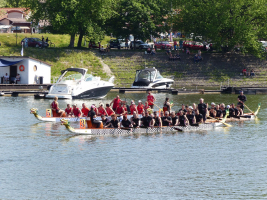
<point x="151" y="78"/>
<point x="75" y="83"/>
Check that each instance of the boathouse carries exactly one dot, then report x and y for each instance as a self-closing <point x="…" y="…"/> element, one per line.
<point x="30" y="70"/>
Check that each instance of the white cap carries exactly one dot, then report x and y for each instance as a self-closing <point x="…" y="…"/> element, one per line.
<point x="190" y="107"/>
<point x="212" y="103"/>
<point x="139" y="101"/>
<point x="133" y="102"/>
<point x="227" y="106"/>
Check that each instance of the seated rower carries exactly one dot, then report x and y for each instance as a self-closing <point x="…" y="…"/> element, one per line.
<point x="95" y="109"/>
<point x="125" y="108"/>
<point x="105" y="120"/>
<point x="191" y="118"/>
<point x="135" y="120"/>
<point x="92" y="115"/>
<point x="231" y="111"/>
<point x="146" y="106"/>
<point x="126" y="122"/>
<point x="157" y="119"/>
<point x="223" y="109"/>
<point x="114" y="123"/>
<point x="240" y="110"/>
<point x="183" y="109"/>
<point x="174" y="119"/>
<point x="235" y="110"/>
<point x="212" y="112"/>
<point x="219" y="113"/>
<point x="183" y="121"/>
<point x="199" y="117"/>
<point x="102" y="110"/>
<point x="68" y="111"/>
<point x="120" y="110"/>
<point x="212" y="106"/>
<point x="54" y="106"/>
<point x="85" y="110"/>
<point x="166" y="120"/>
<point x="147" y="120"/>
<point x="109" y="110"/>
<point x="133" y="107"/>
<point x="76" y="112"/>
<point x="140" y="107"/>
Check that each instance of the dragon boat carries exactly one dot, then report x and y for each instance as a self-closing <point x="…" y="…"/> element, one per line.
<point x="92" y="130"/>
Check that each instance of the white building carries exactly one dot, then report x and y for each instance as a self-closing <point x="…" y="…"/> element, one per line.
<point x="31" y="70"/>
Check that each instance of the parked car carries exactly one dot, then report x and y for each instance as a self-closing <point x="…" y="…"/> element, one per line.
<point x="163" y="45"/>
<point x="35" y="42"/>
<point x="114" y="43"/>
<point x="122" y="43"/>
<point x="194" y="45"/>
<point x="139" y="44"/>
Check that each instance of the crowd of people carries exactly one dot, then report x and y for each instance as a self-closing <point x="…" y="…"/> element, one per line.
<point x="145" y="116"/>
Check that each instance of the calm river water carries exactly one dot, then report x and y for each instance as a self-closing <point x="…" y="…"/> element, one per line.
<point x="43" y="161"/>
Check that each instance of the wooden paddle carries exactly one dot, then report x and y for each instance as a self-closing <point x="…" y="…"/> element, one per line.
<point x="229" y="125"/>
<point x="250" y="110"/>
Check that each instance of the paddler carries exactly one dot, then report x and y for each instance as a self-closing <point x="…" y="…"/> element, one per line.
<point x="199" y="117"/>
<point x="92" y="116"/>
<point x="109" y="110"/>
<point x="183" y="121"/>
<point x="126" y="122"/>
<point x="120" y="110"/>
<point x="147" y="106"/>
<point x="213" y="105"/>
<point x="85" y="110"/>
<point x="167" y="105"/>
<point x="102" y="110"/>
<point x="240" y="111"/>
<point x="157" y="119"/>
<point x="115" y="102"/>
<point x="147" y="120"/>
<point x="241" y="99"/>
<point x="135" y="120"/>
<point x="105" y="120"/>
<point x="166" y="120"/>
<point x="133" y="107"/>
<point x="231" y="111"/>
<point x="212" y="112"/>
<point x="235" y="110"/>
<point x="191" y="118"/>
<point x="140" y="107"/>
<point x="174" y="119"/>
<point x="76" y="111"/>
<point x="182" y="109"/>
<point x="151" y="99"/>
<point x="54" y="106"/>
<point x="218" y="111"/>
<point x="114" y="123"/>
<point x="202" y="107"/>
<point x="68" y="110"/>
<point x="223" y="109"/>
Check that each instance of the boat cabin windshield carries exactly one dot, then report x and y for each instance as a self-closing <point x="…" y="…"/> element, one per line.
<point x="149" y="75"/>
<point x="72" y="76"/>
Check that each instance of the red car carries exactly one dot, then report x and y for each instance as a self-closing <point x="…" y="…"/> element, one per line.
<point x="163" y="45"/>
<point x="193" y="45"/>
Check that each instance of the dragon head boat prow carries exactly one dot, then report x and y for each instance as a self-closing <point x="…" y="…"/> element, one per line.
<point x="34" y="111"/>
<point x="66" y="123"/>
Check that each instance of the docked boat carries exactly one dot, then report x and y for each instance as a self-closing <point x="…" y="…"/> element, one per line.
<point x="75" y="83"/>
<point x="151" y="78"/>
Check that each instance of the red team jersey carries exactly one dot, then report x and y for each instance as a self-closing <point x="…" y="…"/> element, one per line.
<point x="140" y="109"/>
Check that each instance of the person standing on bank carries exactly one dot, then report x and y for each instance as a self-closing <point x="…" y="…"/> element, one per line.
<point x="241" y="99"/>
<point x="202" y="107"/>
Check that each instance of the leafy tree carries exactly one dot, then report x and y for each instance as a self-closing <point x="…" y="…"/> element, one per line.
<point x="72" y="17"/>
<point x="3" y="3"/>
<point x="140" y="18"/>
<point x="226" y="23"/>
<point x="15" y="3"/>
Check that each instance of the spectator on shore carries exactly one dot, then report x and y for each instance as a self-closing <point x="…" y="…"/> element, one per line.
<point x="252" y="73"/>
<point x="196" y="58"/>
<point x="153" y="52"/>
<point x="168" y="52"/>
<point x="17" y="78"/>
<point x="244" y="72"/>
<point x="187" y="51"/>
<point x="149" y="50"/>
<point x="6" y="78"/>
<point x="175" y="45"/>
<point x="101" y="50"/>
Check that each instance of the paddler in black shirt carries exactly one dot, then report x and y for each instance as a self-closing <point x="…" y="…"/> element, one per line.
<point x="174" y="119"/>
<point x="218" y="111"/>
<point x="104" y="120"/>
<point x="157" y="119"/>
<point x="241" y="99"/>
<point x="223" y="110"/>
<point x="183" y="121"/>
<point x="191" y="118"/>
<point x="114" y="123"/>
<point x="135" y="120"/>
<point x="125" y="122"/>
<point x="199" y="117"/>
<point x="202" y="107"/>
<point x="166" y="120"/>
<point x="231" y="111"/>
<point x="183" y="109"/>
<point x="212" y="112"/>
<point x="147" y="120"/>
<point x="92" y="116"/>
<point x="235" y="110"/>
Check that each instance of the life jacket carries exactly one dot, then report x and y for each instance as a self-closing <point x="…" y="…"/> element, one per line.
<point x="120" y="110"/>
<point x="85" y="111"/>
<point x="140" y="109"/>
<point x="68" y="111"/>
<point x="109" y="111"/>
<point x="150" y="99"/>
<point x="116" y="103"/>
<point x="132" y="108"/>
<point x="101" y="111"/>
<point x="54" y="105"/>
<point x="76" y="112"/>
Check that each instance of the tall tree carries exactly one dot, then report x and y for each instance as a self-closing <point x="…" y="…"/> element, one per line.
<point x="141" y="18"/>
<point x="225" y="22"/>
<point x="72" y="17"/>
<point x="15" y="3"/>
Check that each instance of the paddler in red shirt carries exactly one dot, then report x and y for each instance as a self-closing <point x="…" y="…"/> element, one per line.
<point x="102" y="110"/>
<point x="133" y="107"/>
<point x="68" y="110"/>
<point x="120" y="110"/>
<point x="151" y="100"/>
<point x="115" y="102"/>
<point x="85" y="110"/>
<point x="76" y="111"/>
<point x="146" y="106"/>
<point x="140" y="107"/>
<point x="109" y="110"/>
<point x="54" y="106"/>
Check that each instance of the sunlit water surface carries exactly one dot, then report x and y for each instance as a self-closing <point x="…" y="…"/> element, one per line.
<point x="44" y="161"/>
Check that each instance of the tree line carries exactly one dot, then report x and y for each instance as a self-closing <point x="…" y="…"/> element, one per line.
<point x="225" y="23"/>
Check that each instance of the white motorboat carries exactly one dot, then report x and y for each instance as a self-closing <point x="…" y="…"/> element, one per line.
<point x="77" y="84"/>
<point x="151" y="78"/>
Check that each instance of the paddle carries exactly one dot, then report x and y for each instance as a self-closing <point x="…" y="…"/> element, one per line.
<point x="250" y="110"/>
<point x="223" y="120"/>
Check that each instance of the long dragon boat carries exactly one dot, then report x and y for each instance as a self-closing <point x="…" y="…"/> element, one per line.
<point x="92" y="130"/>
